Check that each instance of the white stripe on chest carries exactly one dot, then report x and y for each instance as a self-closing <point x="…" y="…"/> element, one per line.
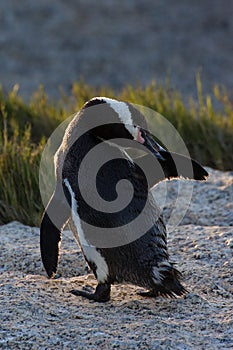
<point x="90" y="251"/>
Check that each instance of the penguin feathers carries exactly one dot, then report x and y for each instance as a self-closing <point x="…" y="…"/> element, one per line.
<point x="141" y="260"/>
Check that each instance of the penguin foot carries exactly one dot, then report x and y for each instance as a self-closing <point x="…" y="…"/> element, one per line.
<point x="101" y="294"/>
<point x="148" y="293"/>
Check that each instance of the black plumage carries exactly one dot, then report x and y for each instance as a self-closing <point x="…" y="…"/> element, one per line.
<point x="142" y="260"/>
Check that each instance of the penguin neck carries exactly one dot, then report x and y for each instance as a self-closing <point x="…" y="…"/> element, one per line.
<point x="87" y="142"/>
<point x="111" y="147"/>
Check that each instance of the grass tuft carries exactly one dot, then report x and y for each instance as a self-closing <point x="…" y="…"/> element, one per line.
<point x="24" y="128"/>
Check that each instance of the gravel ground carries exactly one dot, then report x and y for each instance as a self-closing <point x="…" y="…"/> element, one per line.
<point x="38" y="313"/>
<point x="115" y="43"/>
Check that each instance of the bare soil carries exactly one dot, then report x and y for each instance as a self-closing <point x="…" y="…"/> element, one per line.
<point x="38" y="313"/>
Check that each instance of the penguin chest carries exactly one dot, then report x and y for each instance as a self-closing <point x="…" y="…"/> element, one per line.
<point x="92" y="255"/>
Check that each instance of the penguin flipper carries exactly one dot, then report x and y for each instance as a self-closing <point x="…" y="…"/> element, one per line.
<point x="173" y="165"/>
<point x="53" y="220"/>
<point x="176" y="165"/>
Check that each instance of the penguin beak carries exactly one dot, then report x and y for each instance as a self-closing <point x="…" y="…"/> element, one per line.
<point x="145" y="138"/>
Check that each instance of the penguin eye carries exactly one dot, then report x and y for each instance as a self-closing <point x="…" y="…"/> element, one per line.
<point x="133" y="129"/>
<point x="137" y="134"/>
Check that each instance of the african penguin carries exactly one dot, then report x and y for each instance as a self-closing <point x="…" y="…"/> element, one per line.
<point x="141" y="260"/>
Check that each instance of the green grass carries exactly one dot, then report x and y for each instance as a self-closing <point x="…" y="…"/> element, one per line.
<point x="25" y="126"/>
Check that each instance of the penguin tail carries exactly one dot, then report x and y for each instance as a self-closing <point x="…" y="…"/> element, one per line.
<point x="167" y="281"/>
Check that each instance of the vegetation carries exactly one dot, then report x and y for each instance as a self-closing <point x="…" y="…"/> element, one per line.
<point x="24" y="127"/>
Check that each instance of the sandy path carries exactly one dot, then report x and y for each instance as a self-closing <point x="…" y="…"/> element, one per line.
<point x="37" y="313"/>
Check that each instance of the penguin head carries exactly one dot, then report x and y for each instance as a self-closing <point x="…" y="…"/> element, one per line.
<point x="120" y="121"/>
